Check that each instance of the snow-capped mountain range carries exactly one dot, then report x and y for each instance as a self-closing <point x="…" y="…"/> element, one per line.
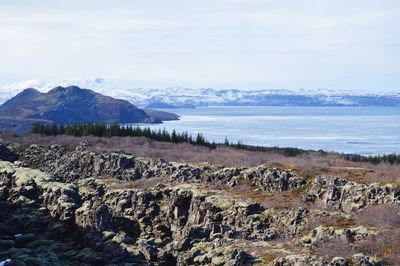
<point x="187" y="97"/>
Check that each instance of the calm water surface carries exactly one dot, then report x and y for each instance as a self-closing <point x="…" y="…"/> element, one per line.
<point x="362" y="130"/>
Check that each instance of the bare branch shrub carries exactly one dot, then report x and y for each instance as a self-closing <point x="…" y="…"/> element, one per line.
<point x="335" y="247"/>
<point x="385" y="246"/>
<point x="384" y="215"/>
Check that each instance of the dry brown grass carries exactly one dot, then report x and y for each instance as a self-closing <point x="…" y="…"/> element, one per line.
<point x="309" y="164"/>
<point x="277" y="199"/>
<point x="383" y="215"/>
<point x="329" y="221"/>
<point x="385" y="246"/>
<point x="331" y="248"/>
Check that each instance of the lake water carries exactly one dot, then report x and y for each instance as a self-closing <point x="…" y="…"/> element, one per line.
<point x="361" y="130"/>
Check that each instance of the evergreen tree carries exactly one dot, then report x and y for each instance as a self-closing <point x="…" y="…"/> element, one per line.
<point x="53" y="129"/>
<point x="226" y="141"/>
<point x="174" y="137"/>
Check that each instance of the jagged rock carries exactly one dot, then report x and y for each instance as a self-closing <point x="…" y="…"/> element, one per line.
<point x="348" y="235"/>
<point x="6" y="244"/>
<point x="180" y="205"/>
<point x="3" y="193"/>
<point x="360" y="259"/>
<point x="82" y="163"/>
<point x="23" y="239"/>
<point x="27" y="184"/>
<point x="299" y="260"/>
<point x="148" y="249"/>
<point x="339" y="261"/>
<point x="6" y="154"/>
<point x="350" y="196"/>
<point x="36" y="238"/>
<point x="190" y="214"/>
<point x="122" y="238"/>
<point x="166" y="258"/>
<point x="273" y="179"/>
<point x="239" y="258"/>
<point x="94" y="216"/>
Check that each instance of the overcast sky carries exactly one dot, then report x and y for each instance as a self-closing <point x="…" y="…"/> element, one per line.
<point x="249" y="44"/>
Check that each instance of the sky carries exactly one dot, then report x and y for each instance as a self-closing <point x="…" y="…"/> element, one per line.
<point x="243" y="44"/>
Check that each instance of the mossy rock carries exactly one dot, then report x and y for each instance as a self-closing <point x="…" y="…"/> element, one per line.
<point x="218" y="261"/>
<point x="107" y="235"/>
<point x="6" y="168"/>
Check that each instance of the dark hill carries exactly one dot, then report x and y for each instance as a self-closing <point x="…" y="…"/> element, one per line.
<point x="75" y="105"/>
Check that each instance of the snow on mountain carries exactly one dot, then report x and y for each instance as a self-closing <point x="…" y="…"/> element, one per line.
<point x="11" y="89"/>
<point x="180" y="96"/>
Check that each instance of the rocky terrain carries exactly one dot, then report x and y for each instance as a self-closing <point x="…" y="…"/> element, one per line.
<point x="63" y="206"/>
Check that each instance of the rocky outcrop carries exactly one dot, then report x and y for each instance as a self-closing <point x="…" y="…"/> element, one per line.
<point x="300" y="260"/>
<point x="346" y="235"/>
<point x="341" y="194"/>
<point x="31" y="236"/>
<point x="83" y="163"/>
<point x="135" y="224"/>
<point x="145" y="224"/>
<point x="112" y="213"/>
<point x="7" y="154"/>
<point x="25" y="186"/>
<point x="303" y="260"/>
<point x="273" y="179"/>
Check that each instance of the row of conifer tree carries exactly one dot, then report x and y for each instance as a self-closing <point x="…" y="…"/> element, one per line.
<point x="117" y="130"/>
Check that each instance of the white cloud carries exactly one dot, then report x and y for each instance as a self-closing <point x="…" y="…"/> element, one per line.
<point x="224" y="43"/>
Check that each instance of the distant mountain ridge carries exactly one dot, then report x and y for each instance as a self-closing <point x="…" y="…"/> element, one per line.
<point x="75" y="105"/>
<point x="178" y="97"/>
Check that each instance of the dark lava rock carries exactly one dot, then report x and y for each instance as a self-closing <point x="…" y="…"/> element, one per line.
<point x="24" y="239"/>
<point x="7" y="155"/>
